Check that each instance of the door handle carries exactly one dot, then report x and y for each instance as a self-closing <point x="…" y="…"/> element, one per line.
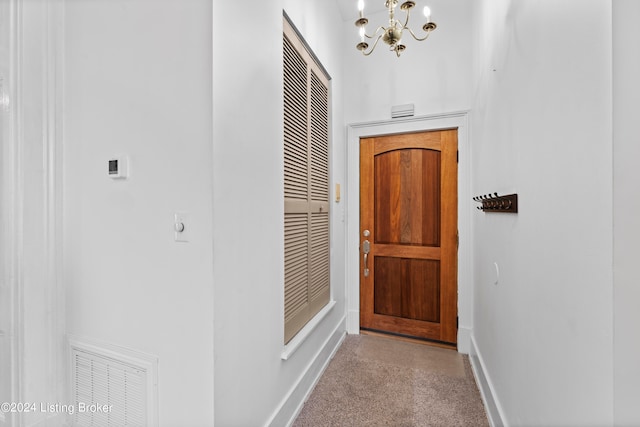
<point x="366" y="270"/>
<point x="366" y="248"/>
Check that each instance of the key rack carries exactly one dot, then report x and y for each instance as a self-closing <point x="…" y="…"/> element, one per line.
<point x="494" y="203"/>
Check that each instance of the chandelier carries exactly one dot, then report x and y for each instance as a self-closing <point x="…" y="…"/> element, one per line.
<point x="391" y="35"/>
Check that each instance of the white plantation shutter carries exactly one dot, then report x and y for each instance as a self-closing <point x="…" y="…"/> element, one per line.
<point x="306" y="184"/>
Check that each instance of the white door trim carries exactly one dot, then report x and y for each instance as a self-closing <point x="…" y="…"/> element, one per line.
<point x="11" y="259"/>
<point x="356" y="131"/>
<point x="32" y="200"/>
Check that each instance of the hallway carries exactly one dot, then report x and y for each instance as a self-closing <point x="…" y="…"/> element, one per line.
<point x="547" y="298"/>
<point x="380" y="381"/>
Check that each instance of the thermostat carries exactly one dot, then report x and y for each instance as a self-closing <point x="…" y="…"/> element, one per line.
<point x="118" y="167"/>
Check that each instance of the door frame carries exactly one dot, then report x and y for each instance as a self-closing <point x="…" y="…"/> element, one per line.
<point x="454" y="120"/>
<point x="33" y="272"/>
<point x="11" y="261"/>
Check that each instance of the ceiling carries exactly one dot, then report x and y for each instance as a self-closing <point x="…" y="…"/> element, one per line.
<point x="349" y="8"/>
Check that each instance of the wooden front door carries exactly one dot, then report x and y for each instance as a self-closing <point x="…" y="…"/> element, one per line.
<point x="408" y="226"/>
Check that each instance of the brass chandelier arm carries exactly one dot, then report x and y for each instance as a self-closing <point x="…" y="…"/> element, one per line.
<point x="375" y="33"/>
<point x="406" y="21"/>
<point x="372" y="47"/>
<point x="418" y="38"/>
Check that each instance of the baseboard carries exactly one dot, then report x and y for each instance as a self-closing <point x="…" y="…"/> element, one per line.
<point x="59" y="419"/>
<point x="487" y="391"/>
<point x="54" y="420"/>
<point x="292" y="404"/>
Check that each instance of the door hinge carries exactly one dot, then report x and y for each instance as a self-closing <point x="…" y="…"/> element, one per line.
<point x="457" y="156"/>
<point x="457" y="322"/>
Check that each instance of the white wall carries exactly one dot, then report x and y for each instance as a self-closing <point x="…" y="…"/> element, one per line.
<point x="626" y="204"/>
<point x="137" y="82"/>
<point x="434" y="75"/>
<point x="252" y="382"/>
<point x="541" y="127"/>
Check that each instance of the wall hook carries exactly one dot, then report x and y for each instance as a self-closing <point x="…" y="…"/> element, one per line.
<point x="492" y="202"/>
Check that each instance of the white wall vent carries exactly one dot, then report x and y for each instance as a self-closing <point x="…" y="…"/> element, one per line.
<point x="112" y="386"/>
<point x="406" y="110"/>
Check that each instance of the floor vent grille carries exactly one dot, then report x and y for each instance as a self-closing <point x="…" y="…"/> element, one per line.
<point x="112" y="388"/>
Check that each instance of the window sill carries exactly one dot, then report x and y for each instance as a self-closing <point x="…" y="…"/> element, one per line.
<point x="304" y="333"/>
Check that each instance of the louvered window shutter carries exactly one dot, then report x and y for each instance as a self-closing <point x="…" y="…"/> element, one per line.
<point x="306" y="184"/>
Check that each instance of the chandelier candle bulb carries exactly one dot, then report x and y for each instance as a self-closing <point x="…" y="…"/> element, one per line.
<point x="361" y="7"/>
<point x="427" y="13"/>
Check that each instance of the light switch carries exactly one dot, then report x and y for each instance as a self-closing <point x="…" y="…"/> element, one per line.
<point x="181" y="227"/>
<point x="118" y="167"/>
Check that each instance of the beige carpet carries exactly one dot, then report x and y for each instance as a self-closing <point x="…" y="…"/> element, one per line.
<point x="378" y="381"/>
